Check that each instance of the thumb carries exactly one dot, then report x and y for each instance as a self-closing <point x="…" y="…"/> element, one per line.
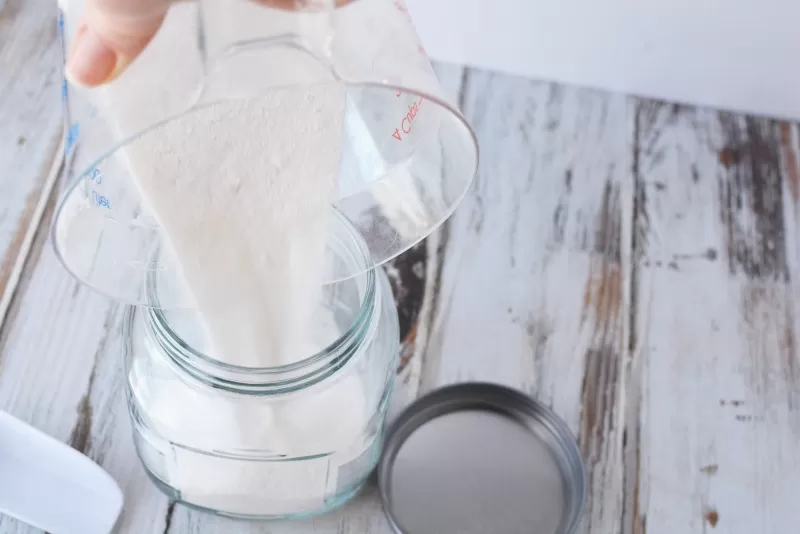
<point x="111" y="35"/>
<point x="114" y="32"/>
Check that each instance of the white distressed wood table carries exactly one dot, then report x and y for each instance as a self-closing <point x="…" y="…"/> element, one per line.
<point x="632" y="263"/>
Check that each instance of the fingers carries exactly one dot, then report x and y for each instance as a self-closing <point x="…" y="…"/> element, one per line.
<point x="114" y="32"/>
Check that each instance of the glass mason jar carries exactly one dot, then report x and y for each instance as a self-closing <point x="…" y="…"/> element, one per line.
<point x="267" y="443"/>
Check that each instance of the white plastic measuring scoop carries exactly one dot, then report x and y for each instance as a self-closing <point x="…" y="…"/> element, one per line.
<point x="49" y="485"/>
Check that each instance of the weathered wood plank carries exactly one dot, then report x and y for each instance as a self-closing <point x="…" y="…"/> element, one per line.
<point x="48" y="347"/>
<point x="55" y="331"/>
<point x="31" y="126"/>
<point x="719" y="427"/>
<point x="420" y="273"/>
<point x="534" y="282"/>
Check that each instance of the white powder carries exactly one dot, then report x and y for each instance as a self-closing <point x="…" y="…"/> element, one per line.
<point x="327" y="418"/>
<point x="242" y="191"/>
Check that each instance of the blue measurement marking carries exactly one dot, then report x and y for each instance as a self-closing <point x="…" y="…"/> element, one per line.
<point x="72" y="137"/>
<point x="101" y="200"/>
<point x="71" y="128"/>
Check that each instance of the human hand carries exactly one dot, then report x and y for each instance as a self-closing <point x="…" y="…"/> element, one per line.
<point x="114" y="32"/>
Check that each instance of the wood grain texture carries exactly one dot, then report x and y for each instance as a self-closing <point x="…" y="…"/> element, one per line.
<point x="534" y="281"/>
<point x="49" y="346"/>
<point x="718" y="427"/>
<point x="30" y="116"/>
<point x="416" y="279"/>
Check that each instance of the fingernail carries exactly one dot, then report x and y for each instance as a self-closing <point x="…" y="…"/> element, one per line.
<point x="91" y="62"/>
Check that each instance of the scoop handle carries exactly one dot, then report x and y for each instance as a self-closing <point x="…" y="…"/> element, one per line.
<point x="49" y="485"/>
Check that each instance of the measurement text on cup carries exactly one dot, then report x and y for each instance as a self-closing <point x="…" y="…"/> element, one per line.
<point x="407" y="122"/>
<point x="96" y="178"/>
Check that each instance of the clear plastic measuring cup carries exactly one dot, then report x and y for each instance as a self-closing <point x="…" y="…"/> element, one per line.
<point x="407" y="159"/>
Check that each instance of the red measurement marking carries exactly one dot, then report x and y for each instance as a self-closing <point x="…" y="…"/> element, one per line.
<point x="407" y="122"/>
<point x="402" y="8"/>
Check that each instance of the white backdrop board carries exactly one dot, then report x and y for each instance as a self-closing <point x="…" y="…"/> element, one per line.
<point x="741" y="55"/>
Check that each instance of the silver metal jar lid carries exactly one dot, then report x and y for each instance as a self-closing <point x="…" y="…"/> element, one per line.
<point x="479" y="458"/>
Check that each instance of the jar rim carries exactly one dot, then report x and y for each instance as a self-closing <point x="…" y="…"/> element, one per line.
<point x="302" y="373"/>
